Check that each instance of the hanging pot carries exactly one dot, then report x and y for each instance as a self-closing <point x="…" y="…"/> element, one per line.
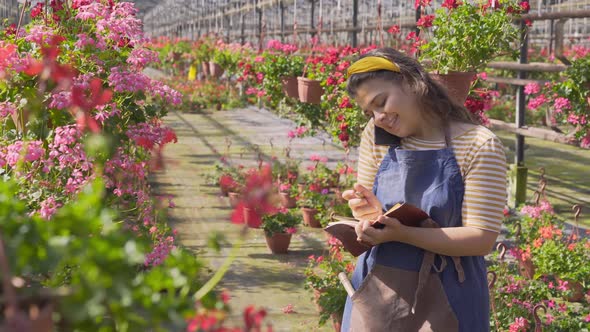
<point x="526" y="268"/>
<point x="309" y="217"/>
<point x="215" y="70"/>
<point x="310" y="91"/>
<point x="278" y="243"/>
<point x="290" y="88"/>
<point x="576" y="288"/>
<point x="457" y="84"/>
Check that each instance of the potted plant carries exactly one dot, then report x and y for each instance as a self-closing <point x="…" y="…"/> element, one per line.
<point x="464" y="37"/>
<point x="312" y="201"/>
<point x="288" y="195"/>
<point x="309" y="84"/>
<point x="321" y="277"/>
<point x="203" y="51"/>
<point x="278" y="229"/>
<point x="567" y="262"/>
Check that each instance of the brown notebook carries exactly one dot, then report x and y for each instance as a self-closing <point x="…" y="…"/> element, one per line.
<point x="343" y="228"/>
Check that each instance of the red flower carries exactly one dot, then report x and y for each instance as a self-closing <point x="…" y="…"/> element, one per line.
<point x="412" y="35"/>
<point x="344" y="137"/>
<point x="345" y="103"/>
<point x="451" y="4"/>
<point x="524" y="6"/>
<point x="423" y="3"/>
<point x="10" y="30"/>
<point x="37" y="10"/>
<point x="425" y="21"/>
<point x="256" y="198"/>
<point x="394" y="29"/>
<point x="528" y="23"/>
<point x="252" y="318"/>
<point x="89" y="100"/>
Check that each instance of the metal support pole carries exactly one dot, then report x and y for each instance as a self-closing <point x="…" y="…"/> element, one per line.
<point x="551" y="27"/>
<point x="355" y="14"/>
<point x="518" y="172"/>
<point x="282" y="9"/>
<point x="312" y="25"/>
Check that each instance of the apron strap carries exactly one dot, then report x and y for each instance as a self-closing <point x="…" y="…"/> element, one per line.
<point x="459" y="268"/>
<point x="423" y="274"/>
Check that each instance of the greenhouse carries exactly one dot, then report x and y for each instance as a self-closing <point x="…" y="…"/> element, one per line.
<point x="295" y="165"/>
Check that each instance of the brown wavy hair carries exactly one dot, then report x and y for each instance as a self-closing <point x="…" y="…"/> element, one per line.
<point x="431" y="96"/>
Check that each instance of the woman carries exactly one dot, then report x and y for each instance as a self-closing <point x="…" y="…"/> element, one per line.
<point x="422" y="148"/>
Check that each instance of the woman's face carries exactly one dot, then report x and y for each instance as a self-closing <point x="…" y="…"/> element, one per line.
<point x="394" y="109"/>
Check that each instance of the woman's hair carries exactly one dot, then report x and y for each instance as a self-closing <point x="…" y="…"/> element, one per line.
<point x="432" y="97"/>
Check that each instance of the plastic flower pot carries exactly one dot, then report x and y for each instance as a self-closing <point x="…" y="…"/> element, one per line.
<point x="309" y="217"/>
<point x="310" y="91"/>
<point x="215" y="70"/>
<point x="287" y="201"/>
<point x="456" y="83"/>
<point x="278" y="243"/>
<point x="290" y="88"/>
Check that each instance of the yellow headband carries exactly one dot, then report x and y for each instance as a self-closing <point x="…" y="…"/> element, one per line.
<point x="372" y="63"/>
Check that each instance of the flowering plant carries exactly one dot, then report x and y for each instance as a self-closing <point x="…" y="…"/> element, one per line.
<point x="313" y="197"/>
<point x="321" y="276"/>
<point x="555" y="255"/>
<point x="466" y="36"/>
<point x="283" y="221"/>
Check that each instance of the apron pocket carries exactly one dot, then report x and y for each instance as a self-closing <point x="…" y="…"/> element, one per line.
<point x="384" y="300"/>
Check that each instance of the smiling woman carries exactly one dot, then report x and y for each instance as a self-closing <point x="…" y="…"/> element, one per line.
<point x="424" y="149"/>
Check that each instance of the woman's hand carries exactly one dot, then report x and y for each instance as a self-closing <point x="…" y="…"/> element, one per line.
<point x="368" y="234"/>
<point x="363" y="203"/>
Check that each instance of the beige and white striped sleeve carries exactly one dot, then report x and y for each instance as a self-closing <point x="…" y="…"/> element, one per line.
<point x="370" y="157"/>
<point x="485" y="186"/>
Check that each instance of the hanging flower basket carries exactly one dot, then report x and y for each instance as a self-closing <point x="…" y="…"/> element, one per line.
<point x="309" y="217"/>
<point x="456" y="83"/>
<point x="526" y="268"/>
<point x="278" y="243"/>
<point x="215" y="70"/>
<point x="290" y="87"/>
<point x="310" y="91"/>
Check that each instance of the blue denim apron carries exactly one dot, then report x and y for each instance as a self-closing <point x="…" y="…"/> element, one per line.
<point x="432" y="181"/>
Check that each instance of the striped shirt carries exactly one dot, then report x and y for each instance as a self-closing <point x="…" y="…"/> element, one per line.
<point x="481" y="158"/>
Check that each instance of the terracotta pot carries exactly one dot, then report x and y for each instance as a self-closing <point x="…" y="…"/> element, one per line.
<point x="576" y="290"/>
<point x="287" y="201"/>
<point x="278" y="243"/>
<point x="215" y="70"/>
<point x="456" y="83"/>
<point x="309" y="217"/>
<point x="310" y="91"/>
<point x="205" y="69"/>
<point x="234" y="198"/>
<point x="526" y="268"/>
<point x="290" y="88"/>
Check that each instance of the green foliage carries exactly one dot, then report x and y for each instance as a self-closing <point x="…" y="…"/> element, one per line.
<point x="576" y="88"/>
<point x="468" y="37"/>
<point x="321" y="276"/>
<point x="280" y="222"/>
<point x="85" y="251"/>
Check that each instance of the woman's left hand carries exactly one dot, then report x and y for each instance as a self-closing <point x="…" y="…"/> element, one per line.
<point x="368" y="234"/>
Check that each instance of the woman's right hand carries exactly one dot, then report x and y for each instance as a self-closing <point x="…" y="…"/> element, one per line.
<point x="363" y="203"/>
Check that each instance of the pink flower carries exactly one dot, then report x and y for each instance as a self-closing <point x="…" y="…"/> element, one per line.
<point x="520" y="324"/>
<point x="425" y="21"/>
<point x="450" y="4"/>
<point x="314" y="157"/>
<point x="482" y="76"/>
<point x="537" y="102"/>
<point x="423" y="3"/>
<point x="291" y="230"/>
<point x="532" y="88"/>
<point x="48" y="207"/>
<point x="549" y="319"/>
<point x="289" y="309"/>
<point x="587" y="319"/>
<point x="561" y="103"/>
<point x="6" y="108"/>
<point x="394" y="29"/>
<point x="562" y="285"/>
